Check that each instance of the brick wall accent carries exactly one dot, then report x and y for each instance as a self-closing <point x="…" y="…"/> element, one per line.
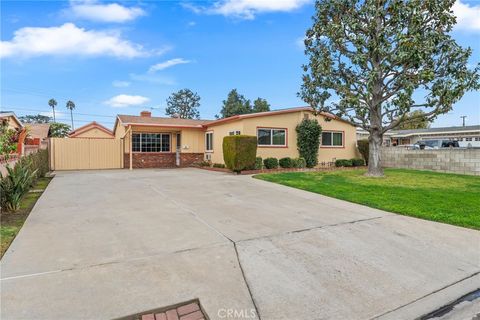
<point x="461" y="161"/>
<point x="189" y="159"/>
<point x="161" y="160"/>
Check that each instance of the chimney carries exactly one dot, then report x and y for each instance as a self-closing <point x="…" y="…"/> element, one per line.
<point x="146" y="114"/>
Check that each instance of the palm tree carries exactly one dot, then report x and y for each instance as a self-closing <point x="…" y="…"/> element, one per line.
<point x="71" y="106"/>
<point x="53" y="103"/>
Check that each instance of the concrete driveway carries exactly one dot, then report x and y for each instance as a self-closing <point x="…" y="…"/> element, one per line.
<point x="107" y="244"/>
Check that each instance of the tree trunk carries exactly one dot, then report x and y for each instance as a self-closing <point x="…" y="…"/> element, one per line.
<point x="374" y="158"/>
<point x="71" y="116"/>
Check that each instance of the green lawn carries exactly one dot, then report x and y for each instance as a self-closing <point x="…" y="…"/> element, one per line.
<point x="12" y="222"/>
<point x="448" y="198"/>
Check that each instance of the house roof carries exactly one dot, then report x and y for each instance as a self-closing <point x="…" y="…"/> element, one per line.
<point x="126" y="120"/>
<point x="38" y="130"/>
<point x="428" y="131"/>
<point x="271" y="113"/>
<point x="89" y="126"/>
<point x="6" y="114"/>
<point x="458" y="129"/>
<point x="161" y="121"/>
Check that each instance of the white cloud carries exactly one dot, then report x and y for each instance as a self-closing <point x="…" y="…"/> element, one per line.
<point x="125" y="100"/>
<point x="468" y="16"/>
<point x="68" y="39"/>
<point x="167" y="64"/>
<point x="120" y="84"/>
<point x="108" y="12"/>
<point x="247" y="9"/>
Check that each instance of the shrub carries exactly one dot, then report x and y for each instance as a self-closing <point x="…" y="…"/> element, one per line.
<point x="343" y="163"/>
<point x="218" y="165"/>
<point x="286" y="162"/>
<point x="205" y="163"/>
<point x="363" y="148"/>
<point x="36" y="162"/>
<point x="299" y="163"/>
<point x="258" y="163"/>
<point x="270" y="163"/>
<point x="308" y="141"/>
<point x="356" y="162"/>
<point x="239" y="152"/>
<point x="15" y="185"/>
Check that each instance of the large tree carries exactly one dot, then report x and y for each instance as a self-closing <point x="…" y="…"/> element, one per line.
<point x="375" y="61"/>
<point x="419" y="121"/>
<point x="38" y="118"/>
<point x="70" y="106"/>
<point x="52" y="103"/>
<point x="59" y="130"/>
<point x="183" y="104"/>
<point x="260" y="105"/>
<point x="235" y="104"/>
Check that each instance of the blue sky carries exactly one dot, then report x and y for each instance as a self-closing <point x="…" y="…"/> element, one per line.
<point x="125" y="56"/>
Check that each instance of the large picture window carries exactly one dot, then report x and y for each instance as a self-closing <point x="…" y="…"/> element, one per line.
<point x="272" y="137"/>
<point x="332" y="139"/>
<point x="151" y="142"/>
<point x="209" y="141"/>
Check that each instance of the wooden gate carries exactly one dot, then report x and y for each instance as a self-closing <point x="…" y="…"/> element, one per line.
<point x="78" y="153"/>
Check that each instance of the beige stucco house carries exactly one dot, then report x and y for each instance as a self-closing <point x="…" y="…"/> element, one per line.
<point x="12" y="121"/>
<point x="92" y="130"/>
<point x="154" y="141"/>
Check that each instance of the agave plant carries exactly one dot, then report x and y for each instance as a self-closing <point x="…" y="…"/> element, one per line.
<point x="15" y="185"/>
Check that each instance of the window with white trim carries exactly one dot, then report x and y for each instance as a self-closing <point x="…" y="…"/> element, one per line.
<point x="209" y="141"/>
<point x="272" y="137"/>
<point x="151" y="142"/>
<point x="332" y="139"/>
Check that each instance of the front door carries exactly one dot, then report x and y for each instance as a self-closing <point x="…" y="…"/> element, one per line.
<point x="178" y="149"/>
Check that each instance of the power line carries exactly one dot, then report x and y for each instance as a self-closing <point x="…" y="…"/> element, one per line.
<point x="75" y="113"/>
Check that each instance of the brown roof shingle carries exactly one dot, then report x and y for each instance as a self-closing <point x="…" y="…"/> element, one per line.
<point x="126" y="119"/>
<point x="38" y="130"/>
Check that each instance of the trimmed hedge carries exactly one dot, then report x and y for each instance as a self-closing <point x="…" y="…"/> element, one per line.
<point x="299" y="163"/>
<point x="308" y="141"/>
<point x="286" y="162"/>
<point x="364" y="149"/>
<point x="357" y="162"/>
<point x="258" y="163"/>
<point x="239" y="152"/>
<point x="343" y="163"/>
<point x="270" y="163"/>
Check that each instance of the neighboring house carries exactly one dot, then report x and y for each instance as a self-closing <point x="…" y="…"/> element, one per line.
<point x="38" y="134"/>
<point x="92" y="130"/>
<point x="467" y="136"/>
<point x="13" y="121"/>
<point x="156" y="139"/>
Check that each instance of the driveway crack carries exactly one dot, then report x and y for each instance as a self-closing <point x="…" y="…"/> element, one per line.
<point x="195" y="215"/>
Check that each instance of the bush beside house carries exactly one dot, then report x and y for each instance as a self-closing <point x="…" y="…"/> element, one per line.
<point x="239" y="152"/>
<point x="270" y="163"/>
<point x="356" y="162"/>
<point x="308" y="141"/>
